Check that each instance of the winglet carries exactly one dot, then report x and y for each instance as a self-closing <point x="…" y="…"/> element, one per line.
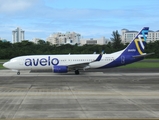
<point x="99" y="57"/>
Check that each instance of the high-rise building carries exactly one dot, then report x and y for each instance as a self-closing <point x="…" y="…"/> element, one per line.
<point x="17" y="35"/>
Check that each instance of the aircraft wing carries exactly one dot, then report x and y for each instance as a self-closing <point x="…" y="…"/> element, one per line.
<point x="143" y="55"/>
<point x="85" y="64"/>
<point x="79" y="66"/>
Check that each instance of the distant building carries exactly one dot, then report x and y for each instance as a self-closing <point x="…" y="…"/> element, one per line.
<point x="94" y="41"/>
<point x="153" y="35"/>
<point x="17" y="35"/>
<point x="3" y="40"/>
<point x="64" y="38"/>
<point x="127" y="35"/>
<point x="36" y="40"/>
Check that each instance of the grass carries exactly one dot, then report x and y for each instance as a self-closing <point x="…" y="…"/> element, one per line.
<point x="1" y="66"/>
<point x="142" y="65"/>
<point x="1" y="63"/>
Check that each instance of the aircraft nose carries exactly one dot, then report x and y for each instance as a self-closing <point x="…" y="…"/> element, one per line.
<point x="5" y="65"/>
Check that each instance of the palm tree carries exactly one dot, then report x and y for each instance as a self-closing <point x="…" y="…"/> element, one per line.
<point x="116" y="40"/>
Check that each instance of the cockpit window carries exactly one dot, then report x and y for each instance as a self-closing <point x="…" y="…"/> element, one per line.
<point x="13" y="60"/>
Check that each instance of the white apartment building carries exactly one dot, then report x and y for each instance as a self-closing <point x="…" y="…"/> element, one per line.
<point x="127" y="35"/>
<point x="64" y="38"/>
<point x="153" y="36"/>
<point x="17" y="35"/>
<point x="93" y="41"/>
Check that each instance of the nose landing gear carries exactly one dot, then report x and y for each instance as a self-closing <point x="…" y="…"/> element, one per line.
<point x="18" y="73"/>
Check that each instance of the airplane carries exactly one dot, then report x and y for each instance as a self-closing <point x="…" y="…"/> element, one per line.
<point x="74" y="62"/>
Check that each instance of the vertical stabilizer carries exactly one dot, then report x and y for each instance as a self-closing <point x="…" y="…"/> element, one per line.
<point x="137" y="45"/>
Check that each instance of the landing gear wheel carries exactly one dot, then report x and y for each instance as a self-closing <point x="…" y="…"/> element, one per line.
<point x="18" y="73"/>
<point x="77" y="72"/>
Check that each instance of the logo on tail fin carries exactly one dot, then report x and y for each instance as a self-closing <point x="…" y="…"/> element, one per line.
<point x="140" y="40"/>
<point x="137" y="46"/>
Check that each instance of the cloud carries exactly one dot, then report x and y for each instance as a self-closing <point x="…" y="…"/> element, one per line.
<point x="40" y="18"/>
<point x="11" y="6"/>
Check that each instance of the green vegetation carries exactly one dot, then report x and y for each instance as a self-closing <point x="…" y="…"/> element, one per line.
<point x="1" y="63"/>
<point x="1" y="66"/>
<point x="4" y="60"/>
<point x="9" y="50"/>
<point x="141" y="64"/>
<point x="116" y="41"/>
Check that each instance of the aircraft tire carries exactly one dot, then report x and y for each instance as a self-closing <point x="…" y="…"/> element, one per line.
<point x="77" y="72"/>
<point x="18" y="73"/>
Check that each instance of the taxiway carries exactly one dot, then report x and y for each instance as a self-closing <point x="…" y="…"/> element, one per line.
<point x="89" y="95"/>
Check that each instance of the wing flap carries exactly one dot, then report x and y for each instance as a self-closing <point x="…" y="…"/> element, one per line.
<point x="79" y="66"/>
<point x="85" y="65"/>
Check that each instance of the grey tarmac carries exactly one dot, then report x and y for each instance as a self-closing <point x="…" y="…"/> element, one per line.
<point x="91" y="95"/>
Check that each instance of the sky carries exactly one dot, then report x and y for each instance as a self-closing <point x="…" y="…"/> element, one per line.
<point x="90" y="18"/>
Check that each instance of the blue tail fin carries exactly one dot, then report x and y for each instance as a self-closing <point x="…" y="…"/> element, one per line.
<point x="137" y="45"/>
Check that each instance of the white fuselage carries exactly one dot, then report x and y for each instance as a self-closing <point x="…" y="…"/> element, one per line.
<point x="36" y="62"/>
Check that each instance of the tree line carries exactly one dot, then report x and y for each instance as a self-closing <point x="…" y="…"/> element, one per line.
<point x="9" y="50"/>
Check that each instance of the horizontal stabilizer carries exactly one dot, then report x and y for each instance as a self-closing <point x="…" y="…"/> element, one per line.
<point x="143" y="55"/>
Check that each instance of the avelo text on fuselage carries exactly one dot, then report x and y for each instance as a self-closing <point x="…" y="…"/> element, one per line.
<point x="41" y="61"/>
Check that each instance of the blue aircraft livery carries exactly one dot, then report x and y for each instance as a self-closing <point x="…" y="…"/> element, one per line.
<point x="135" y="48"/>
<point x="41" y="61"/>
<point x="64" y="63"/>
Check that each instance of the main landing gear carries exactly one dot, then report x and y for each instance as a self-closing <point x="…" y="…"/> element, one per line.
<point x="18" y="73"/>
<point x="77" y="72"/>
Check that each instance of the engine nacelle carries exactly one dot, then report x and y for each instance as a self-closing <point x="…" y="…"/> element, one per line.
<point x="60" y="69"/>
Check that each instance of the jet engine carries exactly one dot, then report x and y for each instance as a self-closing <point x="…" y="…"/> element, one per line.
<point x="60" y="69"/>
